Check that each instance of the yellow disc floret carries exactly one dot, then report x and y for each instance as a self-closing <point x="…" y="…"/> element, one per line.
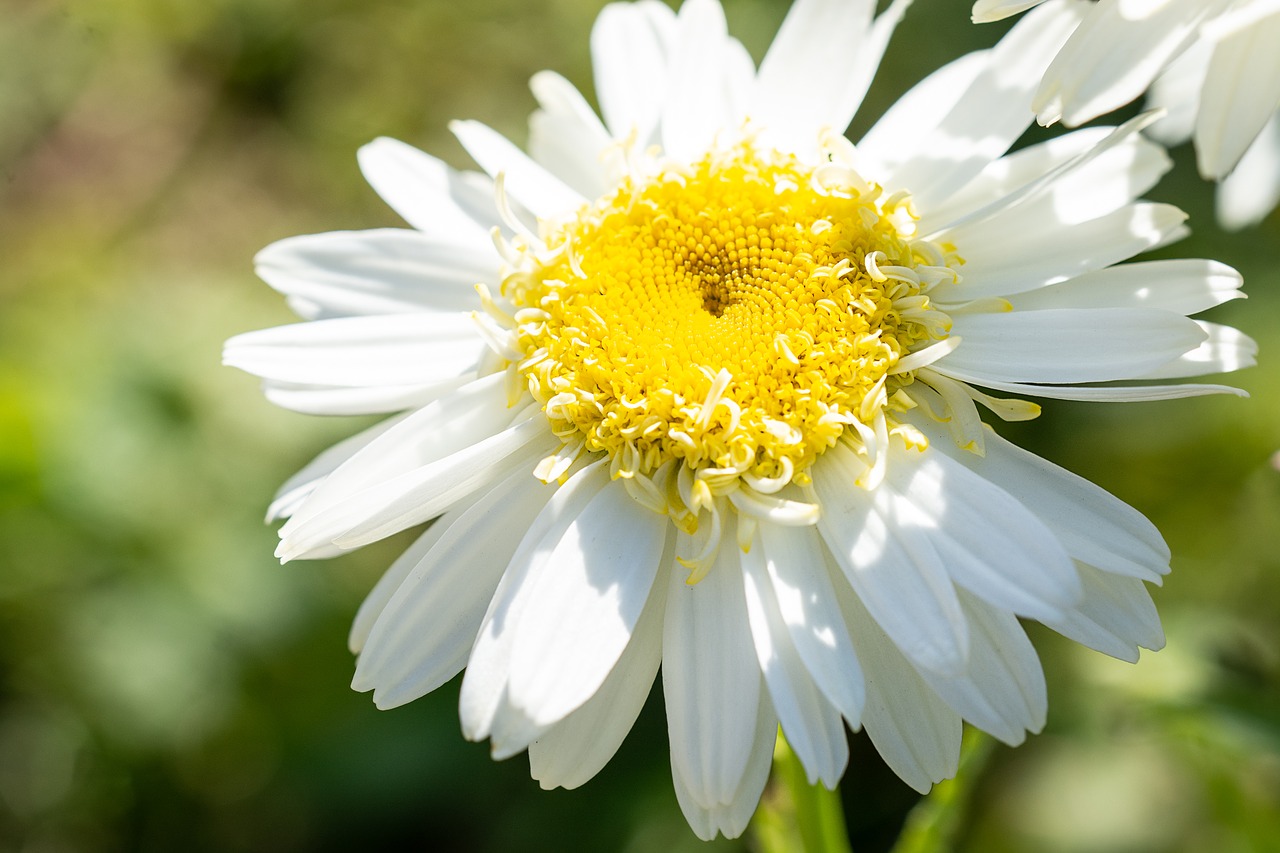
<point x="736" y="316"/>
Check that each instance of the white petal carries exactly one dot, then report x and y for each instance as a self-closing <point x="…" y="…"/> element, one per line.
<point x="992" y="113"/>
<point x="903" y="131"/>
<point x="1226" y="349"/>
<point x="484" y="686"/>
<point x="541" y="192"/>
<point x="1177" y="91"/>
<point x="1116" y="616"/>
<point x="383" y="271"/>
<point x="694" y="108"/>
<point x="884" y="546"/>
<point x="430" y="195"/>
<point x="342" y="400"/>
<point x="796" y="563"/>
<point x="986" y="11"/>
<point x="630" y="44"/>
<point x="1183" y="285"/>
<point x="566" y="137"/>
<point x="991" y="544"/>
<point x="575" y="749"/>
<point x="1003" y="691"/>
<point x="1114" y="55"/>
<point x="731" y="818"/>
<point x="394" y="349"/>
<point x="812" y="726"/>
<point x="582" y="598"/>
<point x="296" y="489"/>
<point x="917" y="735"/>
<point x="1241" y="94"/>
<point x="1047" y="250"/>
<point x="1068" y="344"/>
<point x="711" y="681"/>
<point x="1252" y="191"/>
<point x="423" y="635"/>
<point x="1093" y="525"/>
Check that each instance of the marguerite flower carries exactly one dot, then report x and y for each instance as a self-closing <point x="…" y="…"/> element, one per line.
<point x="1214" y="64"/>
<point x="697" y="389"/>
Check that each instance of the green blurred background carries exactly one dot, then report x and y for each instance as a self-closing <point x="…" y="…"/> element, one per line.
<point x="166" y="685"/>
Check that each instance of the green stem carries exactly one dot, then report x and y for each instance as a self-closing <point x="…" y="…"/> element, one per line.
<point x="932" y="825"/>
<point x="794" y="816"/>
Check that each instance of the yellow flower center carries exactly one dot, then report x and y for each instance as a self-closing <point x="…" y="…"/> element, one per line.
<point x="736" y="316"/>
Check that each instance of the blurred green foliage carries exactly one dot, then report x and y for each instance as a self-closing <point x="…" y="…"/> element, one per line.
<point x="166" y="685"/>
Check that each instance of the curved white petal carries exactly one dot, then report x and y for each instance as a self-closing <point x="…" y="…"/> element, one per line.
<point x="1003" y="691"/>
<point x="1182" y="285"/>
<point x="695" y="108"/>
<point x="1116" y="616"/>
<point x="1048" y="250"/>
<point x="1093" y="525"/>
<point x="630" y="48"/>
<point x="575" y="749"/>
<point x="423" y="635"/>
<point x="813" y="727"/>
<point x="1225" y="349"/>
<point x="710" y="677"/>
<point x="582" y="599"/>
<point x="430" y="195"/>
<point x="731" y="819"/>
<point x="884" y="545"/>
<point x="393" y="349"/>
<point x="567" y="138"/>
<point x="991" y="544"/>
<point x="1241" y="94"/>
<point x="345" y="400"/>
<point x="796" y="564"/>
<point x="381" y="271"/>
<point x="992" y="112"/>
<point x="915" y="732"/>
<point x="484" y="687"/>
<point x="1252" y="191"/>
<point x="539" y="191"/>
<point x="986" y="11"/>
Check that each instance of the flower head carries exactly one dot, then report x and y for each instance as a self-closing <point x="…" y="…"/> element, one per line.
<point x="1211" y="63"/>
<point x="697" y="389"/>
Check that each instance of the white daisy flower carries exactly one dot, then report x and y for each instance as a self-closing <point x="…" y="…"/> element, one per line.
<point x="1214" y="64"/>
<point x="696" y="389"/>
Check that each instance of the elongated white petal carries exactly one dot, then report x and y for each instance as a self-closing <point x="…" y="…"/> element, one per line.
<point x="1252" y="191"/>
<point x="1241" y="94"/>
<point x="346" y="400"/>
<point x="991" y="544"/>
<point x="1003" y="691"/>
<point x="710" y="677"/>
<point x="731" y="819"/>
<point x="1116" y="616"/>
<point x="986" y="11"/>
<point x="583" y="598"/>
<point x="915" y="732"/>
<point x="811" y="724"/>
<point x="992" y="112"/>
<point x="796" y="564"/>
<point x="1093" y="525"/>
<point x="539" y="191"/>
<point x="694" y="108"/>
<point x="1114" y="55"/>
<point x="1224" y="350"/>
<point x="1183" y="285"/>
<point x="883" y="544"/>
<point x="394" y="349"/>
<point x="630" y="47"/>
<point x="575" y="749"/>
<point x="567" y="138"/>
<point x="431" y="196"/>
<point x="423" y="635"/>
<point x="1049" y="251"/>
<point x="383" y="271"/>
<point x="484" y="686"/>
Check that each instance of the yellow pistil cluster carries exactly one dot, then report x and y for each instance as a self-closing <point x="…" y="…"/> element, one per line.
<point x="736" y="316"/>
